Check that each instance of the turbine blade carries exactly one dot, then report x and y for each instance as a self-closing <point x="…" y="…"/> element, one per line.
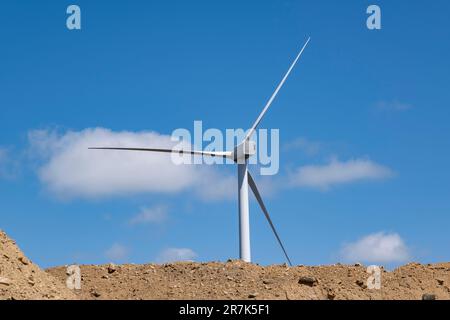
<point x="223" y="154"/>
<point x="252" y="185"/>
<point x="258" y="120"/>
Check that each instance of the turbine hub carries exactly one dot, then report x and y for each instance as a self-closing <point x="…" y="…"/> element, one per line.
<point x="244" y="150"/>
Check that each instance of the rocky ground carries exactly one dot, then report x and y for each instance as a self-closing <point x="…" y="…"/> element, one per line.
<point x="21" y="279"/>
<point x="239" y="280"/>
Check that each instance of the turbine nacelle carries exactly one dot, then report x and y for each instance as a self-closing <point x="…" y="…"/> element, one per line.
<point x="244" y="150"/>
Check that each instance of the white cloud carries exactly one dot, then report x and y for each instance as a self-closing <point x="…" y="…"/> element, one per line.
<point x="70" y="169"/>
<point x="176" y="254"/>
<point x="217" y="187"/>
<point x="377" y="248"/>
<point x="117" y="253"/>
<point x="393" y="105"/>
<point x="338" y="172"/>
<point x="155" y="214"/>
<point x="310" y="148"/>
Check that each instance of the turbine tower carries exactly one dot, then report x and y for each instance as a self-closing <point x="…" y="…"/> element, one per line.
<point x="239" y="155"/>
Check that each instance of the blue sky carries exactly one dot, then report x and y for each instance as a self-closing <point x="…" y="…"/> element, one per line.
<point x="376" y="100"/>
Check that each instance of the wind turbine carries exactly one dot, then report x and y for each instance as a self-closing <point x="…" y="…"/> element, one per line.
<point x="239" y="155"/>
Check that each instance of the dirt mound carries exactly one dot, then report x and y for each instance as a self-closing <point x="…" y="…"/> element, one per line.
<point x="239" y="280"/>
<point x="21" y="279"/>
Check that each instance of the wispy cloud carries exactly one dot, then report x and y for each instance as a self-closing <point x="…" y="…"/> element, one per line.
<point x="69" y="169"/>
<point x="338" y="172"/>
<point x="310" y="148"/>
<point x="3" y="160"/>
<point x="176" y="254"/>
<point x="218" y="187"/>
<point x="378" y="247"/>
<point x="8" y="166"/>
<point x="156" y="214"/>
<point x="117" y="253"/>
<point x="394" y="105"/>
<point x="2" y="153"/>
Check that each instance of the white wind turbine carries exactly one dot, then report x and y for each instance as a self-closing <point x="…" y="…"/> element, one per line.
<point x="239" y="155"/>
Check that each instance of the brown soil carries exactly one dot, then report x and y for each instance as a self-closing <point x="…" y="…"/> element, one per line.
<point x="21" y="279"/>
<point x="239" y="280"/>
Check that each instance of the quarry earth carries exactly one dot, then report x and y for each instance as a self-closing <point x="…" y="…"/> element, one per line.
<point x="22" y="279"/>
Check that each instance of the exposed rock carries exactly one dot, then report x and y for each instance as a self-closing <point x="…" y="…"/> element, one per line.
<point x="112" y="268"/>
<point x="95" y="293"/>
<point x="23" y="260"/>
<point x="5" y="281"/>
<point x="361" y="283"/>
<point x="309" y="281"/>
